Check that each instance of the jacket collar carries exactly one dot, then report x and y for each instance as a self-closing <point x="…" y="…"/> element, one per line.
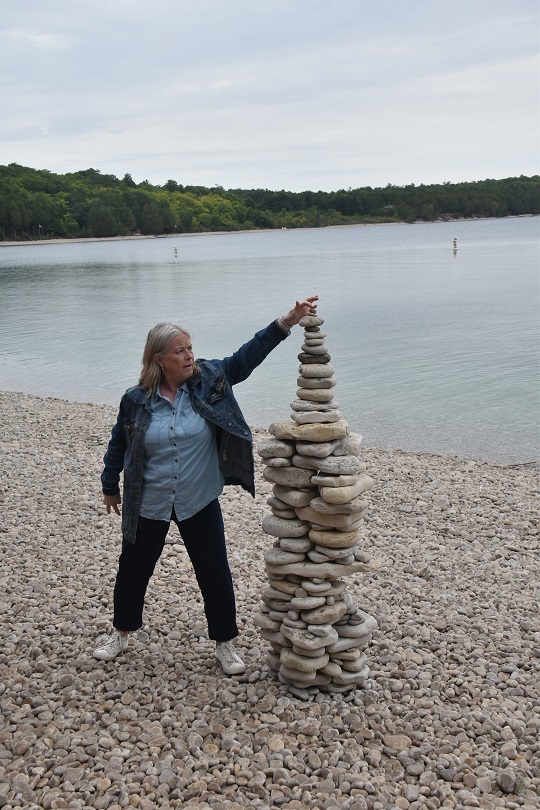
<point x="195" y="378"/>
<point x="141" y="397"/>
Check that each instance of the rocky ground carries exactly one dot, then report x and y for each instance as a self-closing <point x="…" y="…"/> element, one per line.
<point x="449" y="718"/>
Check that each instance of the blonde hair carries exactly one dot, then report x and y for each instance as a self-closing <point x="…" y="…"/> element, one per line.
<point x="157" y="341"/>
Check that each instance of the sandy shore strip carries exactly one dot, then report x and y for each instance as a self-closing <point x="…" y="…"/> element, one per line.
<point x="450" y="716"/>
<point x="59" y="240"/>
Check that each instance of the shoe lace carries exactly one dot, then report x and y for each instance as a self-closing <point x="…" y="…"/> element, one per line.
<point x="227" y="653"/>
<point x="114" y="642"/>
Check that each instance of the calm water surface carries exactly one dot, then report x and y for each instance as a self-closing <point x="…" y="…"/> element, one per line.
<point x="434" y="350"/>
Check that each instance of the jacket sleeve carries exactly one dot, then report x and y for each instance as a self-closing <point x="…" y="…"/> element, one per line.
<point x="114" y="457"/>
<point x="239" y="365"/>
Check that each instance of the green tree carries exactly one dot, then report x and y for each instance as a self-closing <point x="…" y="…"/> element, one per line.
<point x="101" y="219"/>
<point x="152" y="218"/>
<point x="36" y="203"/>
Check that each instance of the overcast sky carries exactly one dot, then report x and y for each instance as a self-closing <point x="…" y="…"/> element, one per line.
<point x="292" y="94"/>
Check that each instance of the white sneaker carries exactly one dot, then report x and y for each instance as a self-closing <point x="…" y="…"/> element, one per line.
<point x="113" y="647"/>
<point x="228" y="658"/>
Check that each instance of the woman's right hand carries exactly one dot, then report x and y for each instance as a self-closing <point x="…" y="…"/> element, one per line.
<point x="112" y="502"/>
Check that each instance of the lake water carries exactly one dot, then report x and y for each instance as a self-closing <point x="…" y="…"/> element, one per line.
<point x="434" y="350"/>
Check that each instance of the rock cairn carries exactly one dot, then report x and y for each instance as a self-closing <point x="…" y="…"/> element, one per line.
<point x="316" y="631"/>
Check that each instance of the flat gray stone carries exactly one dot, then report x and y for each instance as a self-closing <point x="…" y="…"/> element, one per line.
<point x="368" y="625"/>
<point x="277" y="608"/>
<point x="278" y="527"/>
<point x="355" y="506"/>
<point x="320" y="557"/>
<point x="315" y="349"/>
<point x="316" y="417"/>
<point x="316" y="449"/>
<point x="398" y="742"/>
<point x="307" y="602"/>
<point x="284" y="514"/>
<point x="326" y="614"/>
<point x="334" y="539"/>
<point x="306" y="462"/>
<point x="295" y="677"/>
<point x="272" y="593"/>
<point x="276" y="503"/>
<point x="270" y="448"/>
<point x="307" y="653"/>
<point x="296" y="545"/>
<point x="284" y="585"/>
<point x="288" y="476"/>
<point x="294" y="497"/>
<point x="308" y="433"/>
<point x="316" y="370"/>
<point x="333" y="553"/>
<point x="323" y="587"/>
<point x="347" y="678"/>
<point x="303" y="663"/>
<point x="339" y="465"/>
<point x="332" y="521"/>
<point x="309" y="359"/>
<point x="332" y="669"/>
<point x="326" y="480"/>
<point x="349" y="446"/>
<point x="325" y="631"/>
<point x="311" y="320"/>
<point x="303" y="639"/>
<point x="347" y="655"/>
<point x="276" y="556"/>
<point x="275" y="638"/>
<point x="316" y="382"/>
<point x="347" y="493"/>
<point x="297" y="623"/>
<point x="330" y="570"/>
<point x="342" y="644"/>
<point x="277" y="462"/>
<point x="315" y="394"/>
<point x="263" y="621"/>
<point x="303" y="405"/>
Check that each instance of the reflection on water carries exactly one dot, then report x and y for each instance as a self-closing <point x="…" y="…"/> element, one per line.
<point x="433" y="350"/>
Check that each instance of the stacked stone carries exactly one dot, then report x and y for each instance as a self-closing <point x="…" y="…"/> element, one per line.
<point x="316" y="632"/>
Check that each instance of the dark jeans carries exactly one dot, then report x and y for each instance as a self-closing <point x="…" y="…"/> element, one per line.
<point x="204" y="539"/>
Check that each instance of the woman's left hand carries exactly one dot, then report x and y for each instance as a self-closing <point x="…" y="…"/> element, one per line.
<point x="300" y="310"/>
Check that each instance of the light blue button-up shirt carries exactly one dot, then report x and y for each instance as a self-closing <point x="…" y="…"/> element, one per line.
<point x="181" y="466"/>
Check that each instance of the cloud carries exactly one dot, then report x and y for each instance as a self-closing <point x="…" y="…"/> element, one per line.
<point x="289" y="94"/>
<point x="23" y="39"/>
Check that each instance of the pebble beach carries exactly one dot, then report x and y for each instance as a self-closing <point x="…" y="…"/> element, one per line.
<point x="449" y="716"/>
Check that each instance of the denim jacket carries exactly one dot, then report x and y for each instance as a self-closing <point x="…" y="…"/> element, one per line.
<point x="211" y="395"/>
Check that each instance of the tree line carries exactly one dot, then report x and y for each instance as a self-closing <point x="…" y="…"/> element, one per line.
<point x="38" y="204"/>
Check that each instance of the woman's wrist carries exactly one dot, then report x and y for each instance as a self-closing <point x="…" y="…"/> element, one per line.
<point x="284" y="323"/>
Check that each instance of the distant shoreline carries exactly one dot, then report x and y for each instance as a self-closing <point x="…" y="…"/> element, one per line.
<point x="136" y="237"/>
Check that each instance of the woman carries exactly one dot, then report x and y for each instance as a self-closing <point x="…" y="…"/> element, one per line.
<point x="179" y="437"/>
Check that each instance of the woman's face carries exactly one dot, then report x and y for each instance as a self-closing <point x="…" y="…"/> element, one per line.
<point x="177" y="360"/>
